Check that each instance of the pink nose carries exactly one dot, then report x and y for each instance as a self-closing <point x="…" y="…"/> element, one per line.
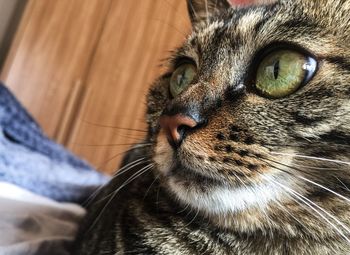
<point x="175" y="127"/>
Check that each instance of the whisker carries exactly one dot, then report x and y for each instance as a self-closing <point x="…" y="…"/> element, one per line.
<point x="194" y="218"/>
<point x="184" y="209"/>
<point x="173" y="27"/>
<point x="308" y="202"/>
<point x="137" y="146"/>
<point x="129" y="166"/>
<point x="289" y="213"/>
<point x="150" y="186"/>
<point x="314" y="167"/>
<point x="136" y="175"/>
<point x="92" y="196"/>
<point x="121" y="171"/>
<point x="305" y="145"/>
<point x="309" y="206"/>
<point x="125" y="169"/>
<point x="128" y="181"/>
<point x="308" y="180"/>
<point x="114" y="127"/>
<point x="311" y="157"/>
<point x="239" y="179"/>
<point x="131" y="136"/>
<point x="323" y="187"/>
<point x="278" y="203"/>
<point x="346" y="187"/>
<point x="303" y="198"/>
<point x="107" y="145"/>
<point x="267" y="160"/>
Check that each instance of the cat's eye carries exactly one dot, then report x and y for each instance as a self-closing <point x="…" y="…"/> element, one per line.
<point x="282" y="72"/>
<point x="181" y="78"/>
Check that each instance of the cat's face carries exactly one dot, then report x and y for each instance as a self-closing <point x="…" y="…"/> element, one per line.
<point x="254" y="112"/>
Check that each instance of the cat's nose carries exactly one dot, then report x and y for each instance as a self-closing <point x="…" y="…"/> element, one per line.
<point x="176" y="126"/>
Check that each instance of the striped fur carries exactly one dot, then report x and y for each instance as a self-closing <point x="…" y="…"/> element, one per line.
<point x="262" y="176"/>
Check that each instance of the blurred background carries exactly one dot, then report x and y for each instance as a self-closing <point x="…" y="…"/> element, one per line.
<point x="82" y="67"/>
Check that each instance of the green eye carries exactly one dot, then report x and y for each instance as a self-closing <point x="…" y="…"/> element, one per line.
<point x="181" y="78"/>
<point x="282" y="72"/>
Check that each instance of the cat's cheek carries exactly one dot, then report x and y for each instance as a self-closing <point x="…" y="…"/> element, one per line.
<point x="163" y="156"/>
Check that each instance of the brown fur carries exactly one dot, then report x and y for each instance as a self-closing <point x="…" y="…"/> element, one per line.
<point x="245" y="137"/>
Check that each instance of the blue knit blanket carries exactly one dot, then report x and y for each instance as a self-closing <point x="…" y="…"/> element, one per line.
<point x="32" y="161"/>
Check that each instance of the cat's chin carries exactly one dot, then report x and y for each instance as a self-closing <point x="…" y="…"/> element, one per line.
<point x="214" y="197"/>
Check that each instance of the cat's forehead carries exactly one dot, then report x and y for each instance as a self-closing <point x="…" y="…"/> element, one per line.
<point x="247" y="30"/>
<point x="221" y="35"/>
<point x="230" y="23"/>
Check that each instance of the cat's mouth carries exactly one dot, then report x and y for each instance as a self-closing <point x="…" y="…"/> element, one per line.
<point x="197" y="181"/>
<point x="189" y="163"/>
<point x="181" y="166"/>
<point x="188" y="176"/>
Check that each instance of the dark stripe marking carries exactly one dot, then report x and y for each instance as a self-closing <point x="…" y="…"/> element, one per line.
<point x="342" y="62"/>
<point x="306" y="120"/>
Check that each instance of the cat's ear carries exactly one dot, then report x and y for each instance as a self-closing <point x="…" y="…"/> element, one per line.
<point x="201" y="9"/>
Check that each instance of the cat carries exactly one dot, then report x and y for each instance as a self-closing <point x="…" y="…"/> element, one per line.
<point x="247" y="149"/>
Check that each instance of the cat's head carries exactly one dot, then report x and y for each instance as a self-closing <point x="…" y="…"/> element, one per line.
<point x="251" y="125"/>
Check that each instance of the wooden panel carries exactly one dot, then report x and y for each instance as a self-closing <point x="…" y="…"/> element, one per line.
<point x="50" y="57"/>
<point x="136" y="37"/>
<point x="81" y="65"/>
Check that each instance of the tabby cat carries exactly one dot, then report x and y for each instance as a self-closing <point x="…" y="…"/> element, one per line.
<point x="247" y="150"/>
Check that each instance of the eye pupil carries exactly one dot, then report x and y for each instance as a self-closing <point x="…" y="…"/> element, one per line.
<point x="181" y="78"/>
<point x="276" y="69"/>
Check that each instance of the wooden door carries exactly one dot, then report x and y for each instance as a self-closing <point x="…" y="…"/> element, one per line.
<point x="82" y="67"/>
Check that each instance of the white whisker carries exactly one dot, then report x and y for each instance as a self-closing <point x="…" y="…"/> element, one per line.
<point x="314" y="167"/>
<point x="313" y="182"/>
<point x="184" y="209"/>
<point x="311" y="157"/>
<point x="259" y="188"/>
<point x="121" y="171"/>
<point x="323" y="187"/>
<point x="195" y="216"/>
<point x="309" y="202"/>
<point x="129" y="180"/>
<point x="285" y="209"/>
<point x="129" y="166"/>
<point x="93" y="195"/>
<point x="346" y="187"/>
<point x="150" y="186"/>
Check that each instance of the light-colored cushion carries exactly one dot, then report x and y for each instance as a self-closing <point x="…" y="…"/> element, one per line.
<point x="32" y="224"/>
